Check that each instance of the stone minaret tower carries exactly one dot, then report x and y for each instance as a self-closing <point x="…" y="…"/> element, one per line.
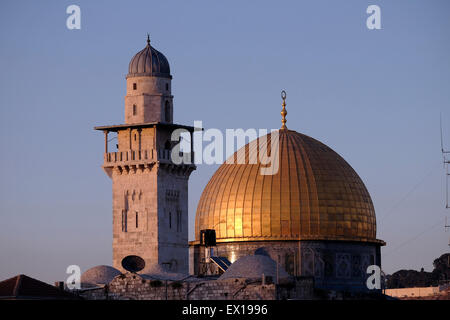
<point x="150" y="192"/>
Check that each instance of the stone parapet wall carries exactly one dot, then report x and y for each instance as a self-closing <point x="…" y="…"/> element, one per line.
<point x="412" y="292"/>
<point x="135" y="287"/>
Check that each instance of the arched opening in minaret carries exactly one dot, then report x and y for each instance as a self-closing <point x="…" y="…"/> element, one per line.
<point x="167" y="112"/>
<point x="167" y="145"/>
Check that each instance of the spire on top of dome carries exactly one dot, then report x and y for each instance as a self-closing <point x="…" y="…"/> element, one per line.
<point x="148" y="39"/>
<point x="283" y="110"/>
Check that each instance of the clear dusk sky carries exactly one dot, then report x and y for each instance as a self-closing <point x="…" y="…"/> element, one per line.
<point x="374" y="96"/>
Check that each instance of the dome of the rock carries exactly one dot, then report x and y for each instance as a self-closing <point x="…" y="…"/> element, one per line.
<point x="314" y="195"/>
<point x="299" y="200"/>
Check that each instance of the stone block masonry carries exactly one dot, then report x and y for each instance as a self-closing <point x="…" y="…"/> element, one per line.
<point x="141" y="287"/>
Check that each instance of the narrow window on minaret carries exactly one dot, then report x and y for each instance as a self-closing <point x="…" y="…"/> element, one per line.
<point x="167" y="111"/>
<point x="134" y="110"/>
<point x="137" y="223"/>
<point x="179" y="221"/>
<point x="170" y="220"/>
<point x="167" y="87"/>
<point x="124" y="221"/>
<point x="134" y="86"/>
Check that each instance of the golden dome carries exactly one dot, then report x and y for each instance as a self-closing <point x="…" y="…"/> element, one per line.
<point x="315" y="195"/>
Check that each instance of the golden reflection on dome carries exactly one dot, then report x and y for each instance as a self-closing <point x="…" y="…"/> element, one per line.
<point x="315" y="195"/>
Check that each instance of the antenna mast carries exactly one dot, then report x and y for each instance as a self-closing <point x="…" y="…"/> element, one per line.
<point x="447" y="226"/>
<point x="446" y="161"/>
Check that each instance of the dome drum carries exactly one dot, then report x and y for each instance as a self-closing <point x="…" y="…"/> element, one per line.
<point x="331" y="263"/>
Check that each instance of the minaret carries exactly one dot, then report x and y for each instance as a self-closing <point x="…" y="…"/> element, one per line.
<point x="150" y="192"/>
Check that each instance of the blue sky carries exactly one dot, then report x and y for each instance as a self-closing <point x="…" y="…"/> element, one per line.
<point x="374" y="96"/>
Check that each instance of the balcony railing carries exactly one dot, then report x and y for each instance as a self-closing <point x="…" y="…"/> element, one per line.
<point x="150" y="155"/>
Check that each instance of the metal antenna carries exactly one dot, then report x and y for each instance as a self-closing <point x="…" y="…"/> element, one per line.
<point x="440" y="125"/>
<point x="447" y="174"/>
<point x="446" y="227"/>
<point x="446" y="163"/>
<point x="444" y="152"/>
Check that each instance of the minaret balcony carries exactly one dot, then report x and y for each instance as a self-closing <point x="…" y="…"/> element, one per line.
<point x="131" y="157"/>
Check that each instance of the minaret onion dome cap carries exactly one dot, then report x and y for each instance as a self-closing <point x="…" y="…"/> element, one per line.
<point x="149" y="62"/>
